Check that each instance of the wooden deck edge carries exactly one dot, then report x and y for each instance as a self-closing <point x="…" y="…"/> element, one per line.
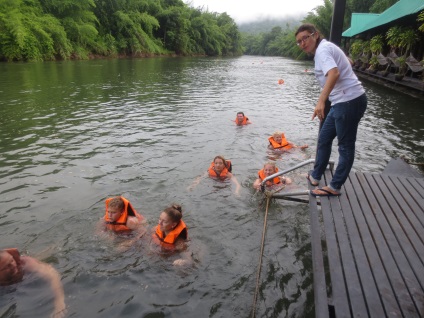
<point x="320" y="286"/>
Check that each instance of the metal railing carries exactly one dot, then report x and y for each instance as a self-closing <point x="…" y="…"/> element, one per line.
<point x="302" y="164"/>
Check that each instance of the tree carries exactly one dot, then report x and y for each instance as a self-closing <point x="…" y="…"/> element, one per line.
<point x="321" y="18"/>
<point x="29" y="34"/>
<point x="129" y="25"/>
<point x="79" y="22"/>
<point x="381" y="5"/>
<point x="232" y="37"/>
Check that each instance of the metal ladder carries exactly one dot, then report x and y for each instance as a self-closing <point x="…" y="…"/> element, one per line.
<point x="289" y="195"/>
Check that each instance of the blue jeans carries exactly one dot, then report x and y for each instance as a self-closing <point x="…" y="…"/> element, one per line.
<point x="342" y="122"/>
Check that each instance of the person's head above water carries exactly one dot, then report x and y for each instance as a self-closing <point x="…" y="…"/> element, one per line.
<point x="241" y="119"/>
<point x="170" y="217"/>
<point x="278" y="136"/>
<point x="115" y="208"/>
<point x="220" y="163"/>
<point x="269" y="168"/>
<point x="10" y="268"/>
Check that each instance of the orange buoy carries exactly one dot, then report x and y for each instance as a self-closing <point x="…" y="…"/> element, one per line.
<point x="280" y="81"/>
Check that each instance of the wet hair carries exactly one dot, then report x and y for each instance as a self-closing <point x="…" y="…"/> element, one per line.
<point x="174" y="212"/>
<point x="223" y="160"/>
<point x="270" y="163"/>
<point x="240" y="113"/>
<point x="277" y="133"/>
<point x="118" y="203"/>
<point x="310" y="28"/>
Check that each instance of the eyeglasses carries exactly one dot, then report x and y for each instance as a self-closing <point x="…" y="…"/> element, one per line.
<point x="304" y="38"/>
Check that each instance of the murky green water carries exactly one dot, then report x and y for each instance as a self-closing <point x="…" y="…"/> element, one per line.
<point x="75" y="133"/>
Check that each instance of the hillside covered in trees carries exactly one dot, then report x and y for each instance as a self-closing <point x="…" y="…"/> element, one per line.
<point x="279" y="41"/>
<point x="37" y="30"/>
<point x="40" y="30"/>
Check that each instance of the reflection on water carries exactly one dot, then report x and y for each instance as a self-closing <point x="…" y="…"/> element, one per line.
<point x="74" y="133"/>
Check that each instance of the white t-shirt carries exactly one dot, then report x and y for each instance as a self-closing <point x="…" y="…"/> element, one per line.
<point x="328" y="56"/>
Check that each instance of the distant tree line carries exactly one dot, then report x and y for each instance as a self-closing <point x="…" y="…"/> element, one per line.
<point x="39" y="30"/>
<point x="281" y="41"/>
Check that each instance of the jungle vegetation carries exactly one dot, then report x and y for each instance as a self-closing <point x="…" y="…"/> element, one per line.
<point x="280" y="40"/>
<point x="40" y="30"/>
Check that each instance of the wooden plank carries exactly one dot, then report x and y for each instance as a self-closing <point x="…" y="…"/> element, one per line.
<point x="320" y="286"/>
<point x="349" y="267"/>
<point x="374" y="236"/>
<point x="419" y="187"/>
<point x="394" y="224"/>
<point x="338" y="284"/>
<point x="408" y="221"/>
<point x="368" y="229"/>
<point x="414" y="200"/>
<point x="356" y="223"/>
<point x="384" y="237"/>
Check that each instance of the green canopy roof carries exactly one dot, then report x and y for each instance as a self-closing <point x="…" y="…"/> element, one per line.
<point x="362" y="22"/>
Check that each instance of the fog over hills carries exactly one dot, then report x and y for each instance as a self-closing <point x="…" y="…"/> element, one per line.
<point x="264" y="25"/>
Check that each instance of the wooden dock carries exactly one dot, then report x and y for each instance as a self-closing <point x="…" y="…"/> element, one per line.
<point x="368" y="247"/>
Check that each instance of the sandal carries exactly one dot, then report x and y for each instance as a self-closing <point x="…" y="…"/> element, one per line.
<point x="326" y="193"/>
<point x="310" y="180"/>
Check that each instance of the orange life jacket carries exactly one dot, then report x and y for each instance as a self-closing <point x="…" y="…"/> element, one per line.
<point x="262" y="176"/>
<point x="180" y="229"/>
<point x="224" y="172"/>
<point x="284" y="143"/>
<point x="120" y="224"/>
<point x="244" y="122"/>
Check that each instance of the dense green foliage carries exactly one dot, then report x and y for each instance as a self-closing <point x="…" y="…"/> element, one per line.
<point x="36" y="30"/>
<point x="279" y="42"/>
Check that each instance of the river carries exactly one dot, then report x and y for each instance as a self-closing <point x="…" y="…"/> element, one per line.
<point x="74" y="133"/>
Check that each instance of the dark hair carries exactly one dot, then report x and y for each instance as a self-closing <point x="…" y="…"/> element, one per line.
<point x="310" y="28"/>
<point x="174" y="212"/>
<point x="240" y="113"/>
<point x="223" y="159"/>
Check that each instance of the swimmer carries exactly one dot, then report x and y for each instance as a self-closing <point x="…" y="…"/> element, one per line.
<point x="268" y="170"/>
<point x="171" y="232"/>
<point x="278" y="142"/>
<point x="120" y="216"/>
<point x="219" y="169"/>
<point x="13" y="268"/>
<point x="241" y="120"/>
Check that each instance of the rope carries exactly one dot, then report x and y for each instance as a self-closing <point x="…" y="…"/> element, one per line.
<point x="258" y="274"/>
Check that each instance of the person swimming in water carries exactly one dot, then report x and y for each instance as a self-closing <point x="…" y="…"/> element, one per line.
<point x="14" y="266"/>
<point x="278" y="142"/>
<point x="269" y="169"/>
<point x="120" y="216"/>
<point x="219" y="169"/>
<point x="241" y="119"/>
<point x="171" y="232"/>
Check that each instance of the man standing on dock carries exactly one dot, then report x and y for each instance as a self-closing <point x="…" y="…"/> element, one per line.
<point x="340" y="85"/>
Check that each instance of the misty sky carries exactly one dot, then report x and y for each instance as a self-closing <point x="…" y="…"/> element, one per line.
<point x="249" y="10"/>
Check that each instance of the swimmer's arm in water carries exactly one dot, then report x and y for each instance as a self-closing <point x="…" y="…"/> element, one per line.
<point x="235" y="181"/>
<point x="301" y="147"/>
<point x="134" y="223"/>
<point x="100" y="226"/>
<point x="197" y="181"/>
<point x="186" y="259"/>
<point x="48" y="273"/>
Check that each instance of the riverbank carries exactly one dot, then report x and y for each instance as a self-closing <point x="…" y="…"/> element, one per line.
<point x="408" y="85"/>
